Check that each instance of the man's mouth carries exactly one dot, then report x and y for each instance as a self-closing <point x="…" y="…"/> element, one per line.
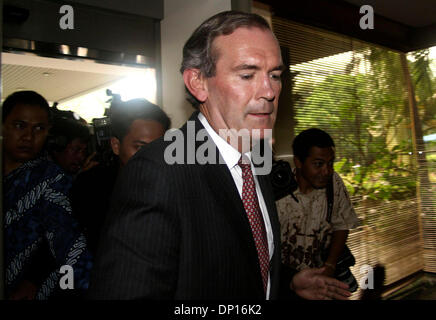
<point x="323" y="181"/>
<point x="25" y="149"/>
<point x="260" y="114"/>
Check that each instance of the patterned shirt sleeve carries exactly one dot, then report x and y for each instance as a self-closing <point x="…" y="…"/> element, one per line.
<point x="343" y="217"/>
<point x="67" y="244"/>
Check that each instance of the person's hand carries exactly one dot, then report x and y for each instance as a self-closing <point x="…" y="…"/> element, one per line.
<point x="329" y="270"/>
<point x="26" y="290"/>
<point x="89" y="163"/>
<point x="312" y="284"/>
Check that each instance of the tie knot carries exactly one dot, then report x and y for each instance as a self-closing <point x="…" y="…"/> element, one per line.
<point x="244" y="163"/>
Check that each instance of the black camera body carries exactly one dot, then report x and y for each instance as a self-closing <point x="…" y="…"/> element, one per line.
<point x="102" y="133"/>
<point x="101" y="140"/>
<point x="282" y="179"/>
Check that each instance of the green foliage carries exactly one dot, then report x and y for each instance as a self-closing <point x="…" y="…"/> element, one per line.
<point x="366" y="113"/>
<point x="425" y="84"/>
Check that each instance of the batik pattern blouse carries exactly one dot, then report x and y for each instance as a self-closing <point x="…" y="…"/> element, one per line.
<point x="38" y="218"/>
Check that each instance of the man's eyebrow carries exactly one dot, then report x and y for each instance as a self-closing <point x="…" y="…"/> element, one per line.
<point x="319" y="159"/>
<point x="246" y="66"/>
<point x="30" y="122"/>
<point x="279" y="68"/>
<point x="139" y="141"/>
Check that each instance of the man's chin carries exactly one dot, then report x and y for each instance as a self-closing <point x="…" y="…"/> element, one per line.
<point x="261" y="132"/>
<point x="25" y="156"/>
<point x="320" y="185"/>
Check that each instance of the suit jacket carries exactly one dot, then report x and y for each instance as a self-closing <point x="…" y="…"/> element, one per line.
<point x="180" y="232"/>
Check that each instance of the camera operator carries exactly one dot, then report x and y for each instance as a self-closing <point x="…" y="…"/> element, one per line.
<point x="68" y="143"/>
<point x="133" y="124"/>
<point x="310" y="239"/>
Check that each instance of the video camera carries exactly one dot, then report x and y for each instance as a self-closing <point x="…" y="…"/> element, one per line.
<point x="283" y="179"/>
<point x="101" y="127"/>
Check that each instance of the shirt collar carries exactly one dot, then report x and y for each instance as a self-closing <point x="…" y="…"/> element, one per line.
<point x="230" y="155"/>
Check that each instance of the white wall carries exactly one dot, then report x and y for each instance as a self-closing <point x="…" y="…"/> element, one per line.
<point x="180" y="20"/>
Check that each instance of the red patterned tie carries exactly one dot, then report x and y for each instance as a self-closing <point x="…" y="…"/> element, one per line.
<point x="251" y="205"/>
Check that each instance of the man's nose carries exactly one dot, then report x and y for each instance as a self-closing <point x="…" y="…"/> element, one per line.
<point x="81" y="156"/>
<point x="327" y="170"/>
<point x="28" y="134"/>
<point x="266" y="90"/>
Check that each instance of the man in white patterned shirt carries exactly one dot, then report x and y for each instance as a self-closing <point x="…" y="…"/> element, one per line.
<point x="306" y="233"/>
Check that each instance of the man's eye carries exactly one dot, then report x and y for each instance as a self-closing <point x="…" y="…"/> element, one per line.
<point x="18" y="125"/>
<point x="247" y="76"/>
<point x="39" y="128"/>
<point x="276" y="76"/>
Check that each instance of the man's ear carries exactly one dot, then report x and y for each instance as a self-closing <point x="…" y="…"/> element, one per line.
<point x="195" y="82"/>
<point x="298" y="163"/>
<point x="115" y="144"/>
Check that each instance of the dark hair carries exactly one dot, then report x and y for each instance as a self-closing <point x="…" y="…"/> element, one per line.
<point x="26" y="98"/>
<point x="198" y="51"/>
<point x="309" y="138"/>
<point x="122" y="115"/>
<point x="64" y="131"/>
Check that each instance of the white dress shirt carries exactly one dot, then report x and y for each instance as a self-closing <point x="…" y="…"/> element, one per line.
<point x="231" y="157"/>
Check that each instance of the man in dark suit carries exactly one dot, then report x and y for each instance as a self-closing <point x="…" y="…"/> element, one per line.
<point x="180" y="228"/>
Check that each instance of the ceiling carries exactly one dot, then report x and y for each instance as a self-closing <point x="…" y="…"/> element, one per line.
<point x="402" y="25"/>
<point x="53" y="84"/>
<point x="412" y="13"/>
<point x="57" y="79"/>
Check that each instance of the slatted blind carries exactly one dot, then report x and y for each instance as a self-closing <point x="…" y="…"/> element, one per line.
<point x="429" y="210"/>
<point x="357" y="92"/>
<point x="423" y="71"/>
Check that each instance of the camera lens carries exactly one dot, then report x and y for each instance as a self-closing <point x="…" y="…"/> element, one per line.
<point x="281" y="178"/>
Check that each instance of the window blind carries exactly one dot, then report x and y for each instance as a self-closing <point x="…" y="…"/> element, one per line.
<point x="422" y="66"/>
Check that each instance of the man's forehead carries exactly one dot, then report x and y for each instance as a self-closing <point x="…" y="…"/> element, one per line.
<point x="248" y="51"/>
<point x="242" y="35"/>
<point x="141" y="129"/>
<point x="78" y="142"/>
<point x="29" y="121"/>
<point x="322" y="152"/>
<point x="28" y="112"/>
